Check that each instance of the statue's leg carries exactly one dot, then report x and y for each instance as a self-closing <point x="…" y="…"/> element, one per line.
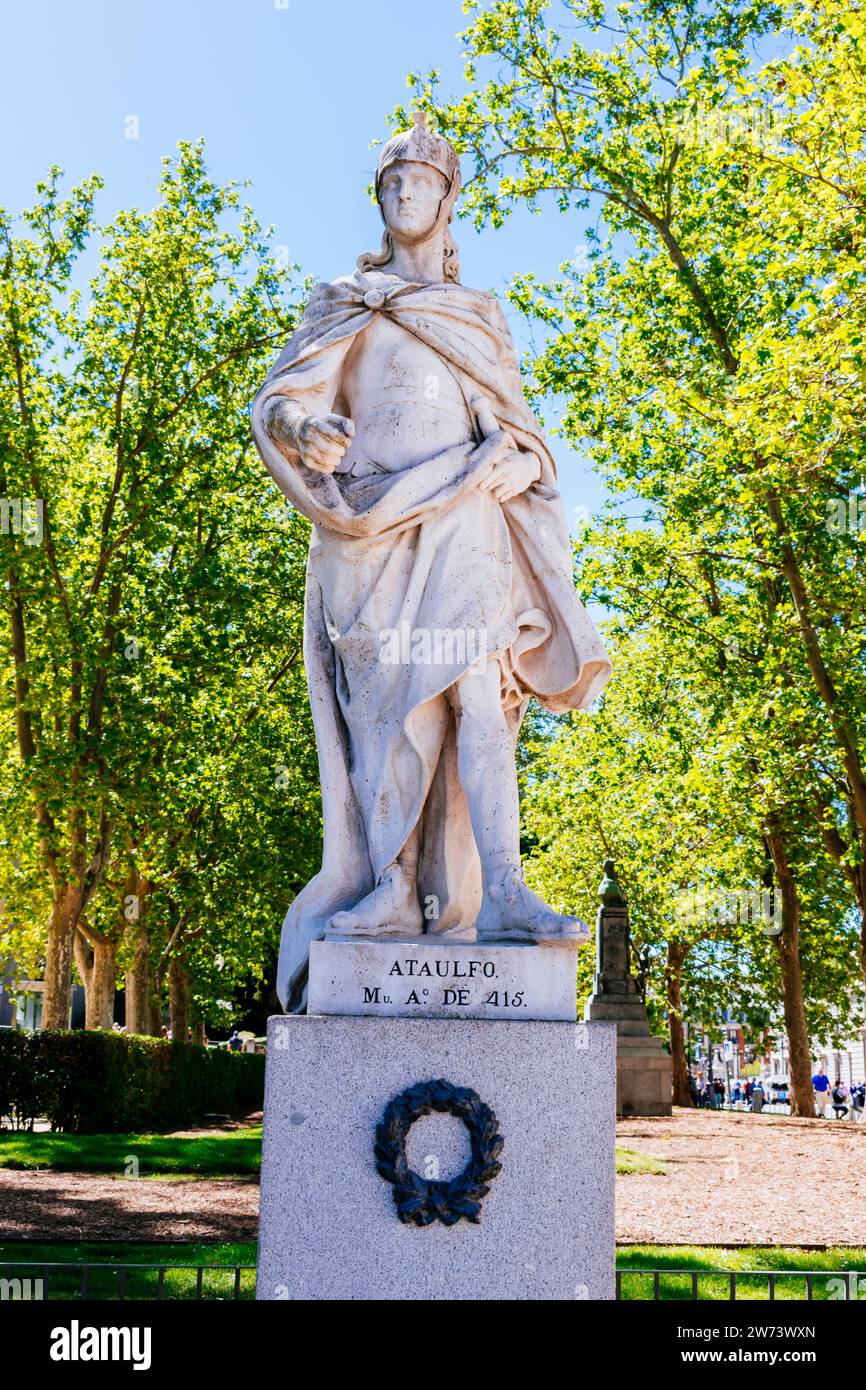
<point x="510" y="911"/>
<point x="392" y="909"/>
<point x="485" y="765"/>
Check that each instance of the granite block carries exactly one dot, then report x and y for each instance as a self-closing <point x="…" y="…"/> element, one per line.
<point x="329" y="1227"/>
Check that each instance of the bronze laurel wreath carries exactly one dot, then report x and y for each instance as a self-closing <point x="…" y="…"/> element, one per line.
<point x="421" y="1201"/>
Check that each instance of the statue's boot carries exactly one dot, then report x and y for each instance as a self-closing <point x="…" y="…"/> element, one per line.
<point x="512" y="912"/>
<point x="392" y="909"/>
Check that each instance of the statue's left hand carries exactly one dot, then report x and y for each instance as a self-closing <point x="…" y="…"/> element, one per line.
<point x="513" y="474"/>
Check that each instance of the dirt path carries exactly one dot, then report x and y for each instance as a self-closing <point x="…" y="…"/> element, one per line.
<point x="84" y="1206"/>
<point x="730" y="1180"/>
<point x="740" y="1179"/>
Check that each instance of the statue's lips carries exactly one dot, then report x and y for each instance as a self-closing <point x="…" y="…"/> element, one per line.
<point x="412" y="219"/>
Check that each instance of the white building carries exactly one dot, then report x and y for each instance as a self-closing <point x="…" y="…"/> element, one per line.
<point x="847" y="1061"/>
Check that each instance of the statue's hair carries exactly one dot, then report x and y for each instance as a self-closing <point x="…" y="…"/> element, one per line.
<point x="376" y="260"/>
<point x="451" y="267"/>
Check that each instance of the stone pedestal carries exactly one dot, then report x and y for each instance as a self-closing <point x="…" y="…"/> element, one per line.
<point x="643" y="1068"/>
<point x="329" y="1223"/>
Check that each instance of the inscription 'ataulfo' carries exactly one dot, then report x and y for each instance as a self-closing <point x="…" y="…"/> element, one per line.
<point x="456" y="969"/>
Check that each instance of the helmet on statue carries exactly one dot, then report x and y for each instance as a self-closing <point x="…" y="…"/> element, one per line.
<point x="421" y="145"/>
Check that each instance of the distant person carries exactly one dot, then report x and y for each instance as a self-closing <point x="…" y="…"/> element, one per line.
<point x="821" y="1087"/>
<point x="757" y="1101"/>
<point x="839" y="1097"/>
<point x="736" y="1094"/>
<point x="235" y="1043"/>
<point x="858" y="1103"/>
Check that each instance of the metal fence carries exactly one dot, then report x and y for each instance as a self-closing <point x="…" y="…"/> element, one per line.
<point x="689" y="1285"/>
<point x="111" y="1281"/>
<point x="108" y="1282"/>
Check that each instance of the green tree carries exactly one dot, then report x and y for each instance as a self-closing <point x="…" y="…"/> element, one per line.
<point x="155" y="573"/>
<point x="711" y="357"/>
<point x="224" y="823"/>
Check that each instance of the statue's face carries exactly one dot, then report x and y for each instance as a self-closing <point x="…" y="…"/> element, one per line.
<point x="410" y="196"/>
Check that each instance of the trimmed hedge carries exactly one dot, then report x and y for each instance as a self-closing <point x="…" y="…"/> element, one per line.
<point x="104" y="1083"/>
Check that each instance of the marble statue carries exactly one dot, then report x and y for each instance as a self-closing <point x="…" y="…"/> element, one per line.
<point x="440" y="595"/>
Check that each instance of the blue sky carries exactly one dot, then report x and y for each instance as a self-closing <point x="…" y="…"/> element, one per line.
<point x="287" y="93"/>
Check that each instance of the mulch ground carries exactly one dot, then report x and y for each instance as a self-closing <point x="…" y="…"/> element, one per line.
<point x="741" y="1179"/>
<point x="83" y="1206"/>
<point x="730" y="1179"/>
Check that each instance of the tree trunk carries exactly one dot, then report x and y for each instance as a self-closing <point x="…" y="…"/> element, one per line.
<point x="857" y="878"/>
<point x="138" y="1012"/>
<point x="840" y="849"/>
<point x="178" y="993"/>
<point x="59" y="948"/>
<point x="677" y="952"/>
<point x="154" y="1003"/>
<point x="843" y="731"/>
<point x="788" y="947"/>
<point x="198" y="1032"/>
<point x="97" y="965"/>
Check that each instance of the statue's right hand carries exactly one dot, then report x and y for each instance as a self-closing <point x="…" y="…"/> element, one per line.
<point x="322" y="440"/>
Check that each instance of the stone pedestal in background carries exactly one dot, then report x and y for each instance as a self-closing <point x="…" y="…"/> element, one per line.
<point x="643" y="1068"/>
<point x="329" y="1225"/>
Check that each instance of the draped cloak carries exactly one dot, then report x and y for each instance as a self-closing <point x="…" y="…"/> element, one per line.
<point x="421" y="550"/>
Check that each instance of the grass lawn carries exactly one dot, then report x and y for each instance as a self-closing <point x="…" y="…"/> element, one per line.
<point x="232" y="1153"/>
<point x="144" y="1283"/>
<point x="181" y="1284"/>
<point x="627" y="1161"/>
<point x="822" y="1263"/>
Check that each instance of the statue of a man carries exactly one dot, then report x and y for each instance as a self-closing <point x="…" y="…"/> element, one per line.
<point x="440" y="594"/>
